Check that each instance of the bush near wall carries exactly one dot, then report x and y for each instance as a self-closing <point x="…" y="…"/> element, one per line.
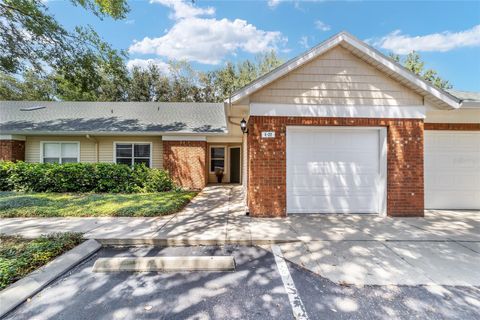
<point x="82" y="177"/>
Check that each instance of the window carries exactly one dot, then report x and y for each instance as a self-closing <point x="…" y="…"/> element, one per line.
<point x="217" y="158"/>
<point x="60" y="152"/>
<point x="133" y="153"/>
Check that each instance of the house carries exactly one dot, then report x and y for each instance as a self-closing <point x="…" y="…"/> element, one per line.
<point x="339" y="129"/>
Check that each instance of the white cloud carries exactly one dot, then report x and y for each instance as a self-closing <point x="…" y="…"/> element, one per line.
<point x="131" y="21"/>
<point x="144" y="63"/>
<point x="304" y="42"/>
<point x="206" y="40"/>
<point x="273" y="3"/>
<point x="182" y="9"/>
<point x="402" y="44"/>
<point x="322" y="26"/>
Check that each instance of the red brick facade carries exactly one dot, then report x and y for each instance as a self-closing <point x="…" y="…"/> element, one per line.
<point x="267" y="162"/>
<point x="186" y="162"/>
<point x="453" y="126"/>
<point x="12" y="150"/>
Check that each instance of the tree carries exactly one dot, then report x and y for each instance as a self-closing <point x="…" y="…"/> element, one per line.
<point x="414" y="63"/>
<point x="32" y="86"/>
<point x="32" y="39"/>
<point x="231" y="78"/>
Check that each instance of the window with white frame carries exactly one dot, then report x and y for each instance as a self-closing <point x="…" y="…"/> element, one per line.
<point x="133" y="153"/>
<point x="60" y="152"/>
<point x="217" y="158"/>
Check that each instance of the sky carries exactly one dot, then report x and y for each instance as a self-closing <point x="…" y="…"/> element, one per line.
<point x="210" y="33"/>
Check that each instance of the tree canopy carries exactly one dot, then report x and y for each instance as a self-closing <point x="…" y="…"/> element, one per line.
<point x="41" y="60"/>
<point x="414" y="63"/>
<point x="112" y="81"/>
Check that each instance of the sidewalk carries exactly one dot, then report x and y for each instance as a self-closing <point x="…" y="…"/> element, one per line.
<point x="442" y="248"/>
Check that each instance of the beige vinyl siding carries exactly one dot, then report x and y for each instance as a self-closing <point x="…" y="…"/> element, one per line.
<point x="33" y="144"/>
<point x="88" y="147"/>
<point x="337" y="78"/>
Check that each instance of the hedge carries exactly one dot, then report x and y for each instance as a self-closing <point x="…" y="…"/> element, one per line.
<point x="82" y="177"/>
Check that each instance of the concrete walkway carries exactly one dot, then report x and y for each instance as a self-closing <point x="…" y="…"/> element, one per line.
<point x="442" y="248"/>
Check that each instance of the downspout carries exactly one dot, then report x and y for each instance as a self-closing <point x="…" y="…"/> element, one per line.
<point x="96" y="146"/>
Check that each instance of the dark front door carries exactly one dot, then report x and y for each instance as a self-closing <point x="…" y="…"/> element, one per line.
<point x="235" y="165"/>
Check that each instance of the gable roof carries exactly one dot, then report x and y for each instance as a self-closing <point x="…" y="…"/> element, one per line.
<point x="23" y="117"/>
<point x="469" y="99"/>
<point x="438" y="97"/>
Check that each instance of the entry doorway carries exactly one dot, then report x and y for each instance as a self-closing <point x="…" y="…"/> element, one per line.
<point x="235" y="164"/>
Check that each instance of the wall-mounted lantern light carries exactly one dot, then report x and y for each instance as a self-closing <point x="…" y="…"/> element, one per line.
<point x="243" y="126"/>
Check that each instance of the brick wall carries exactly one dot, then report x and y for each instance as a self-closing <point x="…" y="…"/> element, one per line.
<point x="453" y="126"/>
<point x="267" y="162"/>
<point x="186" y="161"/>
<point x="12" y="150"/>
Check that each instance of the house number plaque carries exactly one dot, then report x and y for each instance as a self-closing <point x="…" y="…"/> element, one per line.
<point x="268" y="134"/>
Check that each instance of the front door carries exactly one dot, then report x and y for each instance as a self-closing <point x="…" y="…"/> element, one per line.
<point x="235" y="165"/>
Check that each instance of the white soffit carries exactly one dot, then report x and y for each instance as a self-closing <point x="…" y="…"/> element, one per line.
<point x="12" y="137"/>
<point x="365" y="52"/>
<point x="297" y="110"/>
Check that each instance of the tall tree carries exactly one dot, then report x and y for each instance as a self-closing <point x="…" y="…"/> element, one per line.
<point x="31" y="86"/>
<point x="32" y="38"/>
<point x="414" y="63"/>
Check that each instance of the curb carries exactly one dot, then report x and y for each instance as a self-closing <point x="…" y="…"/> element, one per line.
<point x="179" y="242"/>
<point x="20" y="291"/>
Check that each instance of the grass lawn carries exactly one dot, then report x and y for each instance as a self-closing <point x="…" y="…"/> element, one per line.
<point x="16" y="204"/>
<point x="19" y="257"/>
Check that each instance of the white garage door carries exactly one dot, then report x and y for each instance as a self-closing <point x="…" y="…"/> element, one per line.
<point x="335" y="170"/>
<point x="452" y="170"/>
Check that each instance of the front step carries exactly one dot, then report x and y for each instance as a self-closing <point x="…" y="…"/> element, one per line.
<point x="165" y="264"/>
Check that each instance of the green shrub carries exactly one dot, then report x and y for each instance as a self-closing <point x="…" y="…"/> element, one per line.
<point x="82" y="177"/>
<point x="19" y="256"/>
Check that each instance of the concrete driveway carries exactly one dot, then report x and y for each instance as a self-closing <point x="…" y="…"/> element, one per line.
<point x="255" y="290"/>
<point x="442" y="248"/>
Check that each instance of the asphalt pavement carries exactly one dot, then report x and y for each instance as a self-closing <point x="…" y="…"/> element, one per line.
<point x="257" y="289"/>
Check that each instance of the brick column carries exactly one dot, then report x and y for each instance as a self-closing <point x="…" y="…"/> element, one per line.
<point x="186" y="162"/>
<point x="12" y="150"/>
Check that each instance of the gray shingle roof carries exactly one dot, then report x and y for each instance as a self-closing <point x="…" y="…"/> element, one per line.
<point x="22" y="117"/>
<point x="465" y="95"/>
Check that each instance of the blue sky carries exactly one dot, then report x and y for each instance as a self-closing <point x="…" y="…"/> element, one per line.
<point x="209" y="33"/>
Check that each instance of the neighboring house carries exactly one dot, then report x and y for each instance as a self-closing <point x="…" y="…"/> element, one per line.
<point x="339" y="129"/>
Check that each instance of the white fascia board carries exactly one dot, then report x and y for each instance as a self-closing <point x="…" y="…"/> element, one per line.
<point x="184" y="138"/>
<point x="360" y="46"/>
<point x="12" y="137"/>
<point x="296" y="110"/>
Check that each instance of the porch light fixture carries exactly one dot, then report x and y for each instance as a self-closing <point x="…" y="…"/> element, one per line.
<point x="243" y="126"/>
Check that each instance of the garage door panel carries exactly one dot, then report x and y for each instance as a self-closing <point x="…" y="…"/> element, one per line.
<point x="329" y="204"/>
<point x="452" y="170"/>
<point x="333" y="170"/>
<point x="314" y="180"/>
<point x="457" y="159"/>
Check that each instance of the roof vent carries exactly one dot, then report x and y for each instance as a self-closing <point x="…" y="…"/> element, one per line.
<point x="32" y="108"/>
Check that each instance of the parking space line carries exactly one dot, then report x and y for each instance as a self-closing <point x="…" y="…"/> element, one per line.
<point x="296" y="303"/>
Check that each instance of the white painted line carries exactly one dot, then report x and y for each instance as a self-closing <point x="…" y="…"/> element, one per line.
<point x="296" y="303"/>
